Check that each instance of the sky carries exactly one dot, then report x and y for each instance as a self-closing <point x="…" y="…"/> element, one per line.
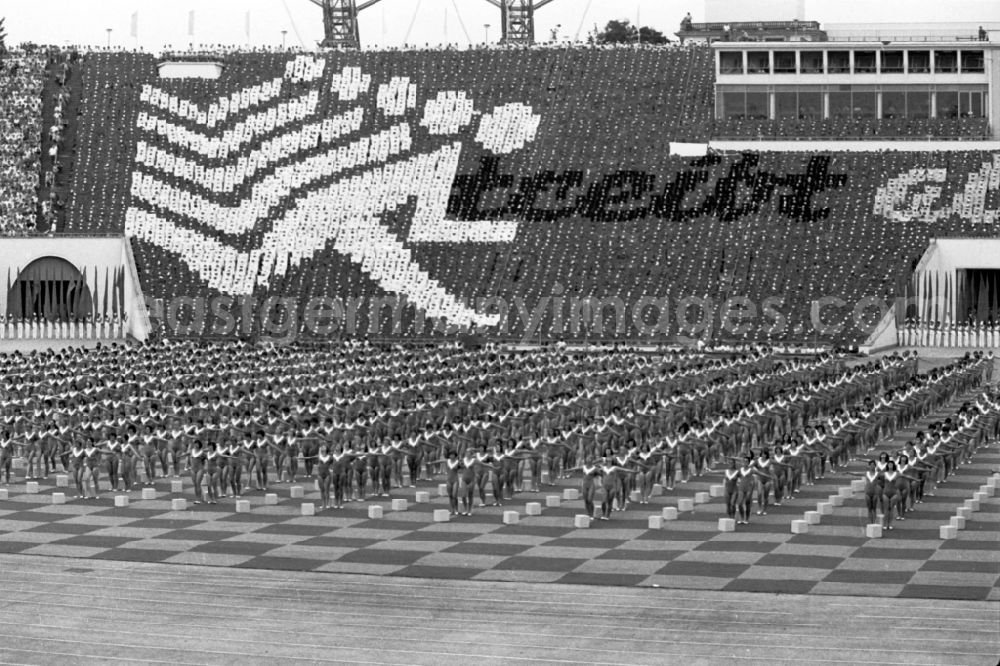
<point x="395" y="22"/>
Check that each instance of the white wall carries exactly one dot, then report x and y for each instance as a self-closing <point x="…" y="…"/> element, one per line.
<point x="100" y="255"/>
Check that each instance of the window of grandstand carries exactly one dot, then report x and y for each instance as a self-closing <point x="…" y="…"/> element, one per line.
<point x="784" y="62"/>
<point x="947" y="104"/>
<point x="945" y="62"/>
<point x="892" y="62"/>
<point x="971" y="104"/>
<point x="839" y="62"/>
<point x="812" y="62"/>
<point x="973" y="62"/>
<point x="864" y="62"/>
<point x="798" y="103"/>
<point x="758" y="62"/>
<point x="893" y="104"/>
<point x="864" y="102"/>
<point x="918" y="103"/>
<point x="731" y="62"/>
<point x="739" y="103"/>
<point x="919" y="62"/>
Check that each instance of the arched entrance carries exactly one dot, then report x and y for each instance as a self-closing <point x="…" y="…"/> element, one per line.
<point x="49" y="288"/>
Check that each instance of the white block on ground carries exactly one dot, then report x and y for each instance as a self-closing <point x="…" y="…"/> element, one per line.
<point x="62" y="481"/>
<point x="242" y="506"/>
<point x="442" y="490"/>
<point x="441" y="516"/>
<point x="873" y="530"/>
<point x="546" y="478"/>
<point x="847" y="492"/>
<point x="800" y="527"/>
<point x="149" y="493"/>
<point x="58" y="498"/>
<point x="176" y="486"/>
<point x="510" y="517"/>
<point x="533" y="509"/>
<point x="375" y="511"/>
<point x="400" y="505"/>
<point x="964" y="512"/>
<point x="570" y="494"/>
<point x="121" y="500"/>
<point x="948" y="532"/>
<point x="824" y="508"/>
<point x="702" y="498"/>
<point x="717" y="490"/>
<point x="635" y="496"/>
<point x="581" y="521"/>
<point x="972" y="505"/>
<point x="669" y="513"/>
<point x="836" y="500"/>
<point x="316" y="485"/>
<point x="657" y="490"/>
<point x="308" y="509"/>
<point x="958" y="522"/>
<point x="422" y="497"/>
<point x="552" y="500"/>
<point x="296" y="492"/>
<point x="727" y="525"/>
<point x="31" y="487"/>
<point x="685" y="505"/>
<point x="3" y="494"/>
<point x="812" y="517"/>
<point x="987" y="491"/>
<point x="655" y="522"/>
<point x="980" y="497"/>
<point x="178" y="504"/>
<point x="271" y="499"/>
<point x="858" y="486"/>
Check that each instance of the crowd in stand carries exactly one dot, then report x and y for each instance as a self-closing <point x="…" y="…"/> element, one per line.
<point x="22" y="76"/>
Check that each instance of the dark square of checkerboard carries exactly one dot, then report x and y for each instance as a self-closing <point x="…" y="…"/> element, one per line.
<point x="530" y="563"/>
<point x="799" y="561"/>
<point x="450" y="573"/>
<point x="962" y="544"/>
<point x="962" y="566"/>
<point x="484" y="548"/>
<point x="869" y="576"/>
<point x="778" y="586"/>
<point x="65" y="528"/>
<point x="134" y="555"/>
<point x="945" y="592"/>
<point x="337" y="542"/>
<point x="250" y="548"/>
<point x="185" y="534"/>
<point x="399" y="557"/>
<point x="893" y="553"/>
<point x="282" y="563"/>
<point x="437" y="535"/>
<point x="387" y="524"/>
<point x="670" y="534"/>
<point x="586" y="578"/>
<point x="129" y="512"/>
<point x="10" y="547"/>
<point x="521" y="529"/>
<point x="573" y="542"/>
<point x="170" y="523"/>
<point x="746" y="546"/>
<point x="35" y="516"/>
<point x="708" y="569"/>
<point x="664" y="555"/>
<point x="245" y="518"/>
<point x="93" y="541"/>
<point x="296" y="530"/>
<point x="827" y="540"/>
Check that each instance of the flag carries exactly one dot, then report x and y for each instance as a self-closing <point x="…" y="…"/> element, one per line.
<point x="104" y="307"/>
<point x="135" y="25"/>
<point x="191" y="23"/>
<point x="121" y="294"/>
<point x="983" y="306"/>
<point x="114" y="295"/>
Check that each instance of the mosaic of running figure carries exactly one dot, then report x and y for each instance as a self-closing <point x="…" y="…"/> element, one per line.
<point x="518" y="205"/>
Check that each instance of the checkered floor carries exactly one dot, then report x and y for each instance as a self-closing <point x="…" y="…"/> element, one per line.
<point x="834" y="558"/>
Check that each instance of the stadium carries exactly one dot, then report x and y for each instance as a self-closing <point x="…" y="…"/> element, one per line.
<point x="631" y="347"/>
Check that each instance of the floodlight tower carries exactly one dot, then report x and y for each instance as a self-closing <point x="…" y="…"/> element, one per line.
<point x="517" y="20"/>
<point x="340" y="22"/>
